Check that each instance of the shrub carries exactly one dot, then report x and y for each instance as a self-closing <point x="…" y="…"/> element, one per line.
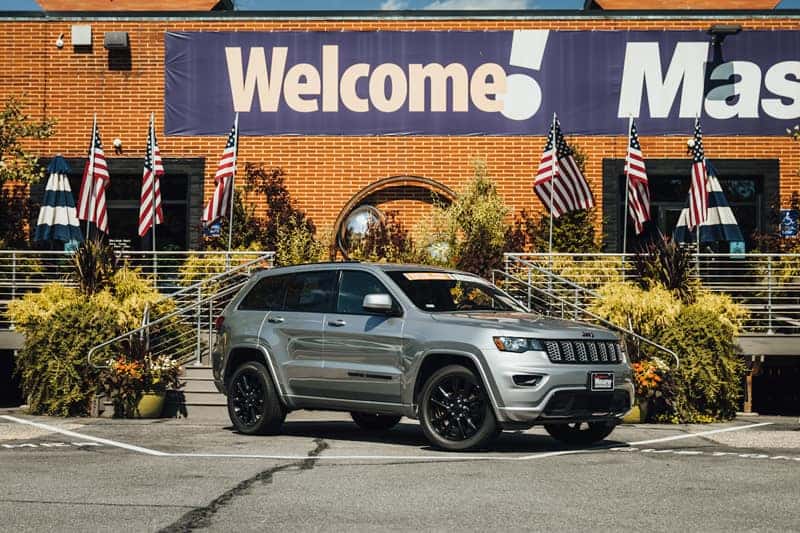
<point x="474" y="226"/>
<point x="645" y="312"/>
<point x="710" y="373"/>
<point x="297" y="244"/>
<point x="18" y="211"/>
<point x="669" y="265"/>
<point x="248" y="229"/>
<point x="94" y="264"/>
<point x="61" y="324"/>
<point x="16" y="128"/>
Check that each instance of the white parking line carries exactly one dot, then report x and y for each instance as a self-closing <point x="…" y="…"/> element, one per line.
<point x="69" y="433"/>
<point x="701" y="434"/>
<point x="452" y="457"/>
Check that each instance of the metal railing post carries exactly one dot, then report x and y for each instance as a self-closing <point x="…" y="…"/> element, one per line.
<point x="210" y="323"/>
<point x="769" y="295"/>
<point x="529" y="287"/>
<point x="577" y="300"/>
<point x="198" y="313"/>
<point x="13" y="275"/>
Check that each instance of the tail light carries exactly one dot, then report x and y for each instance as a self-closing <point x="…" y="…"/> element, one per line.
<point x="219" y="322"/>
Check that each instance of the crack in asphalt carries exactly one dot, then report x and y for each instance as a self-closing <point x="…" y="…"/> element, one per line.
<point x="201" y="516"/>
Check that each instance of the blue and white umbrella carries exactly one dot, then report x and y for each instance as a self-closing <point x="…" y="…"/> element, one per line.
<point x="58" y="219"/>
<point x="720" y="225"/>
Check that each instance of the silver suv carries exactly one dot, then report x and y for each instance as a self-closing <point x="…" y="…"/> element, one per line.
<point x="384" y="341"/>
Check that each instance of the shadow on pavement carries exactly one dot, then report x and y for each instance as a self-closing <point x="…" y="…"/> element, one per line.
<point x="411" y="435"/>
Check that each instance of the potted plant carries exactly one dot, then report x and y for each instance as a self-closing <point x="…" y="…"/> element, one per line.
<point x="653" y="384"/>
<point x="138" y="387"/>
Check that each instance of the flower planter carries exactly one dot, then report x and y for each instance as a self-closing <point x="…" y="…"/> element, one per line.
<point x="638" y="414"/>
<point x="150" y="405"/>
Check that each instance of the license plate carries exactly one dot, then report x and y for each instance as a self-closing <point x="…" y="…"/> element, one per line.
<point x="601" y="381"/>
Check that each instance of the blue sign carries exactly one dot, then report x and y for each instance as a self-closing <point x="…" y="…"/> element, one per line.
<point x="789" y="222"/>
<point x="480" y="82"/>
<point x="213" y="229"/>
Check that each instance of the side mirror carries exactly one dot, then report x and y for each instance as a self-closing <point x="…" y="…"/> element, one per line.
<point x="381" y="303"/>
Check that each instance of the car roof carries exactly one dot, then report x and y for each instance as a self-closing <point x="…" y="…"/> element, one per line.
<point x="386" y="267"/>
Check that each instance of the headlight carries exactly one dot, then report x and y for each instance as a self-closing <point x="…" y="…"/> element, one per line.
<point x="517" y="344"/>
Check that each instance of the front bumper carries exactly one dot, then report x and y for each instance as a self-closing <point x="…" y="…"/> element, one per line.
<point x="561" y="394"/>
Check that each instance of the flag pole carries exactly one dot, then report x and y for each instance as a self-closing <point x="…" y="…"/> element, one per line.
<point x="552" y="188"/>
<point x="91" y="183"/>
<point x="233" y="176"/>
<point x="152" y="134"/>
<point x="627" y="192"/>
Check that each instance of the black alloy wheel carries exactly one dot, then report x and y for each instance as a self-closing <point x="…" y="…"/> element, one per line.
<point x="455" y="411"/>
<point x="580" y="433"/>
<point x="374" y="421"/>
<point x="253" y="405"/>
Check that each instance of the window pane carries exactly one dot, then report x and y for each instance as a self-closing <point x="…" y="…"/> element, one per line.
<point x="311" y="292"/>
<point x="352" y="289"/>
<point x="266" y="295"/>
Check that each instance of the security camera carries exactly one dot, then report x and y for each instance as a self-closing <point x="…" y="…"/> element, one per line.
<point x="117" y="143"/>
<point x="60" y="41"/>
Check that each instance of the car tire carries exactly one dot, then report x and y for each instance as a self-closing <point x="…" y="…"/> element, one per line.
<point x="581" y="433"/>
<point x="375" y="422"/>
<point x="253" y="405"/>
<point x="455" y="411"/>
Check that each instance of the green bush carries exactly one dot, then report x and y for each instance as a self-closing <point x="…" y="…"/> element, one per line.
<point x="474" y="226"/>
<point x="61" y="324"/>
<point x="297" y="243"/>
<point x="706" y="386"/>
<point x="710" y="375"/>
<point x="387" y="241"/>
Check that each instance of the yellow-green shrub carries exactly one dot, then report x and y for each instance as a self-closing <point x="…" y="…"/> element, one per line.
<point x="631" y="307"/>
<point x="61" y="324"/>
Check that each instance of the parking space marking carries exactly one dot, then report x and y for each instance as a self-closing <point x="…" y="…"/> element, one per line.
<point x="701" y="434"/>
<point x="629" y="446"/>
<point x="23" y="445"/>
<point x="69" y="433"/>
<point x="695" y="453"/>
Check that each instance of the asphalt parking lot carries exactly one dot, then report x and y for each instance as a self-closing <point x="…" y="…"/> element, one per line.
<point x="324" y="473"/>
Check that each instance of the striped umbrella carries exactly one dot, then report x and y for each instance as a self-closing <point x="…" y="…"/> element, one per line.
<point x="720" y="225"/>
<point x="58" y="220"/>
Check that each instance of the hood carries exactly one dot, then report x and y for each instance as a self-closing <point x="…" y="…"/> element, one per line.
<point x="527" y="324"/>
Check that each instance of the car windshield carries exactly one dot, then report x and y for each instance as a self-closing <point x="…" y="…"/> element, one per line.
<point x="446" y="291"/>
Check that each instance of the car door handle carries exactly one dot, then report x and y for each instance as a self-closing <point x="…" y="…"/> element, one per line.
<point x="337" y="323"/>
<point x="275" y="319"/>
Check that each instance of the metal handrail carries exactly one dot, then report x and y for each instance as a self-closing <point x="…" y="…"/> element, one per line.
<point x="606" y="322"/>
<point x="767" y="285"/>
<point x="25" y="271"/>
<point x="144" y="329"/>
<point x="189" y="312"/>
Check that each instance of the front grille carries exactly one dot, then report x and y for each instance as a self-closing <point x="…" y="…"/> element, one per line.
<point x="583" y="352"/>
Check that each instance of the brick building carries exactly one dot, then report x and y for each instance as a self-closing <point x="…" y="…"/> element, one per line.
<point x="329" y="174"/>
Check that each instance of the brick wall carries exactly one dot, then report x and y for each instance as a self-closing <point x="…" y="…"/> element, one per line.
<point x="322" y="172"/>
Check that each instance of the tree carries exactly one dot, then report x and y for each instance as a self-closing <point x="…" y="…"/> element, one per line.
<point x="16" y="163"/>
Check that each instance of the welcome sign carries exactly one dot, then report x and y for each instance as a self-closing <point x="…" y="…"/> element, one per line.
<point x="480" y="83"/>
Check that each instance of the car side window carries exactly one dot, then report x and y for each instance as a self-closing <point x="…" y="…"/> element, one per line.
<point x="311" y="292"/>
<point x="353" y="286"/>
<point x="266" y="295"/>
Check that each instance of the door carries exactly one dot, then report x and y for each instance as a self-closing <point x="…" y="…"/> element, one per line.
<point x="295" y="332"/>
<point x="363" y="349"/>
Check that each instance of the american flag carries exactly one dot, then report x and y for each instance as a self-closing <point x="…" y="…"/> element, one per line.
<point x="92" y="198"/>
<point x="151" y="184"/>
<point x="698" y="191"/>
<point x="637" y="183"/>
<point x="560" y="178"/>
<point x="217" y="206"/>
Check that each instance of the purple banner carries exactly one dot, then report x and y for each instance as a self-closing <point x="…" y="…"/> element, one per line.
<point x="481" y="83"/>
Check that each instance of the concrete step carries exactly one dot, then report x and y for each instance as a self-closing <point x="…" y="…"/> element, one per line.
<point x="191" y="371"/>
<point x="199" y="385"/>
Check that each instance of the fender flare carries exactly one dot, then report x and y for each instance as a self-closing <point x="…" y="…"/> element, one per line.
<point x="484" y="375"/>
<point x="270" y="365"/>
